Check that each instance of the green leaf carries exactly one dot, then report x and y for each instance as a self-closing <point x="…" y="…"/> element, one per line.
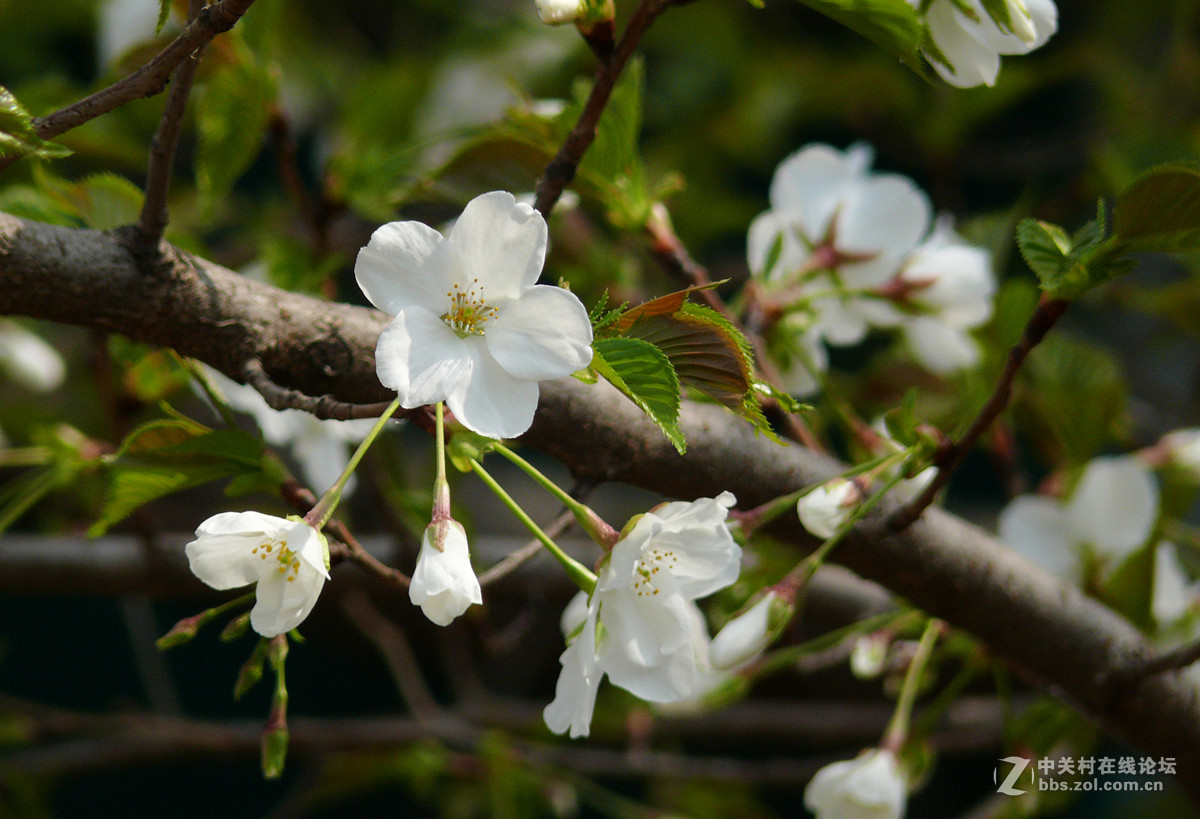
<point x="1043" y="246"/>
<point x="17" y="136"/>
<point x="705" y="351"/>
<point x="158" y="434"/>
<point x="109" y="200"/>
<point x="1063" y="372"/>
<point x="1160" y="212"/>
<point x="231" y="119"/>
<point x="892" y="24"/>
<point x="135" y="484"/>
<point x="644" y="373"/>
<point x="164" y="13"/>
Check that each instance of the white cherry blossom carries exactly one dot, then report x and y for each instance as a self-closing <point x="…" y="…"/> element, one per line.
<point x="642" y="628"/>
<point x="748" y="634"/>
<point x="971" y="42"/>
<point x="288" y="559"/>
<point x="1113" y="511"/>
<point x="835" y="226"/>
<point x="472" y="327"/>
<point x="444" y="585"/>
<point x="823" y="510"/>
<point x="871" y="786"/>
<point x="944" y="288"/>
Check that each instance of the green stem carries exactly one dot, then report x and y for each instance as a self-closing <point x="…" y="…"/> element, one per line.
<point x="320" y="514"/>
<point x="441" y="441"/>
<point x="578" y="573"/>
<point x="897" y="730"/>
<point x="786" y="657"/>
<point x="592" y="523"/>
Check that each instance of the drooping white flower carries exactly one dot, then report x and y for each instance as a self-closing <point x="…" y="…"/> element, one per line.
<point x="1112" y="510"/>
<point x="28" y="360"/>
<point x="288" y="559"/>
<point x="472" y="327"/>
<point x="834" y="230"/>
<point x="944" y="288"/>
<point x="320" y="445"/>
<point x="748" y="634"/>
<point x="971" y="41"/>
<point x="871" y="786"/>
<point x="642" y="628"/>
<point x="869" y="654"/>
<point x="444" y="585"/>
<point x="823" y="510"/>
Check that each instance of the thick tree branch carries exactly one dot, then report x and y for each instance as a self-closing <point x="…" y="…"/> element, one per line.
<point x="954" y="571"/>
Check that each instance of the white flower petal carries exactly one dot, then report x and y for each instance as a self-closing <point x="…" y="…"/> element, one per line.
<point x="940" y="347"/>
<point x="823" y="510"/>
<point x="1172" y="593"/>
<point x="1038" y="528"/>
<point x="766" y="229"/>
<point x="871" y="786"/>
<point x="810" y="184"/>
<point x="285" y="597"/>
<point x="574" y="614"/>
<point x="653" y="649"/>
<point x="444" y="585"/>
<point x="399" y="268"/>
<point x="962" y="283"/>
<point x="322" y="456"/>
<point x="1114" y="506"/>
<point x="840" y="322"/>
<point x="885" y="215"/>
<point x="421" y="358"/>
<point x="744" y="637"/>
<point x="492" y="402"/>
<point x="972" y="62"/>
<point x="501" y="242"/>
<point x="225" y="561"/>
<point x="575" y="692"/>
<point x="544" y="333"/>
<point x="28" y="360"/>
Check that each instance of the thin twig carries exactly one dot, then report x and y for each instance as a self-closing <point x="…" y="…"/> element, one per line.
<point x="153" y="220"/>
<point x="326" y="406"/>
<point x="950" y="455"/>
<point x="396" y="652"/>
<point x="561" y="170"/>
<point x="515" y="559"/>
<point x="151" y="78"/>
<point x="302" y="499"/>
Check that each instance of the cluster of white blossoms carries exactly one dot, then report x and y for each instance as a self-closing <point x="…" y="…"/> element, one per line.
<point x="843" y="249"/>
<point x="969" y="40"/>
<point x="641" y="626"/>
<point x="1112" y="512"/>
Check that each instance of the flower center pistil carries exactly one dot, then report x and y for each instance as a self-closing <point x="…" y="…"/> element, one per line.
<point x="289" y="563"/>
<point x="469" y="310"/>
<point x="653" y="561"/>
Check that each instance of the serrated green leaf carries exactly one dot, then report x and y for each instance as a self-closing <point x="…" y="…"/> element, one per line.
<point x="1043" y="246"/>
<point x="892" y="24"/>
<point x="644" y="373"/>
<point x="1160" y="212"/>
<point x="17" y="136"/>
<point x="703" y="350"/>
<point x="231" y="119"/>
<point x="1066" y="372"/>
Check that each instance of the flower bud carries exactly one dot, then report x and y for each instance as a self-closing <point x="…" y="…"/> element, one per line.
<point x="747" y="635"/>
<point x="869" y="655"/>
<point x="444" y="585"/>
<point x="871" y="785"/>
<point x="1183" y="448"/>
<point x="558" y="12"/>
<point x="823" y="510"/>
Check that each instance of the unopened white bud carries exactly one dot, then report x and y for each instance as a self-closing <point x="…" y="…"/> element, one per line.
<point x="559" y="12"/>
<point x="1183" y="448"/>
<point x="869" y="655"/>
<point x="747" y="635"/>
<point x="828" y="506"/>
